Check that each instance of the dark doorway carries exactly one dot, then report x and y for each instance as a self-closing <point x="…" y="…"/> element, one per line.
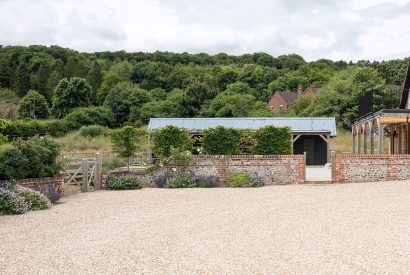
<point x="315" y="148"/>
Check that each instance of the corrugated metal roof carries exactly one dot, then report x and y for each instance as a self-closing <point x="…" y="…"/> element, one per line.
<point x="299" y="125"/>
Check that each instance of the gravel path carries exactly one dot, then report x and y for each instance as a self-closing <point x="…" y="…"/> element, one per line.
<point x="350" y="228"/>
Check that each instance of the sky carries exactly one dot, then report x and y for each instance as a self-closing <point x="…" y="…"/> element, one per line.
<point x="333" y="29"/>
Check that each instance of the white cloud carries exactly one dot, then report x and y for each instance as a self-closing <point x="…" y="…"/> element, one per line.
<point x="365" y="29"/>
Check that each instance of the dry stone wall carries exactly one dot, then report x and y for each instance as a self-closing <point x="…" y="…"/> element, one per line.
<point x="371" y="168"/>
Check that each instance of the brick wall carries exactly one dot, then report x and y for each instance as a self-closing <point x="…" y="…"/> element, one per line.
<point x="288" y="169"/>
<point x="371" y="168"/>
<point x="43" y="184"/>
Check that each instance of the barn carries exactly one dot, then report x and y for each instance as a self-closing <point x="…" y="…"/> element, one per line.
<point x="310" y="135"/>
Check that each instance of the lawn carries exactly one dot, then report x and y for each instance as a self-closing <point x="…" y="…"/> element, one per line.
<point x="293" y="229"/>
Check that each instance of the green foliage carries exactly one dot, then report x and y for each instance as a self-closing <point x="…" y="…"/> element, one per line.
<point x="92" y="131"/>
<point x="272" y="140"/>
<point x="125" y="100"/>
<point x="3" y="139"/>
<point x="221" y="141"/>
<point x="69" y="94"/>
<point x="194" y="96"/>
<point x="170" y="137"/>
<point x="4" y="123"/>
<point x="12" y="162"/>
<point x="178" y="158"/>
<point x="90" y="116"/>
<point x="24" y="128"/>
<point x="22" y="80"/>
<point x="125" y="141"/>
<point x="114" y="182"/>
<point x="242" y="179"/>
<point x="34" y="105"/>
<point x="11" y="203"/>
<point x="180" y="179"/>
<point x="40" y="155"/>
<point x="36" y="200"/>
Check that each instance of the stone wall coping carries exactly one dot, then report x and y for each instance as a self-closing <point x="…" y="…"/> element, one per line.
<point x="38" y="180"/>
<point x="246" y="157"/>
<point x="357" y="156"/>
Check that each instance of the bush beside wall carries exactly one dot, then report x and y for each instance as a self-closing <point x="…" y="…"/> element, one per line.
<point x="272" y="140"/>
<point x="221" y="141"/>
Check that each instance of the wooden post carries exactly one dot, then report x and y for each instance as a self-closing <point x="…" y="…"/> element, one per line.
<point x="304" y="170"/>
<point x="381" y="139"/>
<point x="149" y="148"/>
<point x="333" y="161"/>
<point x="353" y="141"/>
<point x="408" y="138"/>
<point x="371" y="137"/>
<point x="98" y="172"/>
<point x="364" y="127"/>
<point x="328" y="148"/>
<point x="84" y="186"/>
<point x="359" y="139"/>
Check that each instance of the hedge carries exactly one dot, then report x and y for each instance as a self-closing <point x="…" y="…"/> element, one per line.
<point x="272" y="140"/>
<point x="221" y="141"/>
<point x="171" y="137"/>
<point x="59" y="127"/>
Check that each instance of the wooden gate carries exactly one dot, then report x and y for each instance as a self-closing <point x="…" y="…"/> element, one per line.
<point x="85" y="172"/>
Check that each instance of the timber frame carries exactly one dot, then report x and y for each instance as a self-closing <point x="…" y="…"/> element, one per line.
<point x="393" y="124"/>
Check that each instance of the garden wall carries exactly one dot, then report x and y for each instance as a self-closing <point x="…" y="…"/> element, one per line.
<point x="371" y="168"/>
<point x="43" y="184"/>
<point x="286" y="169"/>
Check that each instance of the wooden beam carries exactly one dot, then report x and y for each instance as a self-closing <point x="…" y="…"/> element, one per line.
<point x="296" y="138"/>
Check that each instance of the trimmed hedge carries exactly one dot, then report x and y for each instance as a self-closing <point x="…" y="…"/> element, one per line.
<point x="272" y="140"/>
<point x="59" y="127"/>
<point x="171" y="137"/>
<point x="221" y="141"/>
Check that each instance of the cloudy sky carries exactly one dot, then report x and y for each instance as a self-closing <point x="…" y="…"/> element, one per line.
<point x="334" y="29"/>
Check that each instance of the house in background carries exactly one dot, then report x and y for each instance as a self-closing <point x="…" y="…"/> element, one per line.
<point x="281" y="101"/>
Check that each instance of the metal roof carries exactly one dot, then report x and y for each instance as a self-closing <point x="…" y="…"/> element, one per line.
<point x="298" y="125"/>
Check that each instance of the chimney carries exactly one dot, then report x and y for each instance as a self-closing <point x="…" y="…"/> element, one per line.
<point x="300" y="90"/>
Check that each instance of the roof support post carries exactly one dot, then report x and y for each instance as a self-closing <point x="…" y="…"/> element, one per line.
<point x="353" y="141"/>
<point x="359" y="134"/>
<point x="364" y="127"/>
<point x="371" y="127"/>
<point x="381" y="137"/>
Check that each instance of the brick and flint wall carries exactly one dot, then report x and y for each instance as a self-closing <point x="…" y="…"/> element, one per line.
<point x="371" y="168"/>
<point x="43" y="184"/>
<point x="271" y="170"/>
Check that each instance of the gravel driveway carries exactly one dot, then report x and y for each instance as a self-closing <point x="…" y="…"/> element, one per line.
<point x="344" y="228"/>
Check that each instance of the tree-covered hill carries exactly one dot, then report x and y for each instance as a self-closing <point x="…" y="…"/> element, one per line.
<point x="137" y="86"/>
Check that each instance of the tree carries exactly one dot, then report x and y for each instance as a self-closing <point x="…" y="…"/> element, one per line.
<point x="5" y="73"/>
<point x="125" y="142"/>
<point x="221" y="141"/>
<point x="70" y="94"/>
<point x="125" y="100"/>
<point x="95" y="76"/>
<point x="34" y="105"/>
<point x="168" y="138"/>
<point x="228" y="104"/>
<point x="194" y="96"/>
<point x="22" y="80"/>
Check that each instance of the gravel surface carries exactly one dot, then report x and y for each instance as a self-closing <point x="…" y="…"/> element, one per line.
<point x="344" y="229"/>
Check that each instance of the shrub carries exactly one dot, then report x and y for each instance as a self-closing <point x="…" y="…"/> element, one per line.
<point x="41" y="155"/>
<point x="180" y="179"/>
<point x="272" y="140"/>
<point x="12" y="163"/>
<point x="52" y="194"/>
<point x="34" y="199"/>
<point x="206" y="181"/>
<point x="92" y="131"/>
<point x="125" y="142"/>
<point x="160" y="181"/>
<point x="171" y="137"/>
<point x="34" y="105"/>
<point x="90" y="116"/>
<point x="178" y="158"/>
<point x="30" y="158"/>
<point x="11" y="203"/>
<point x="123" y="183"/>
<point x="243" y="179"/>
<point x="3" y="139"/>
<point x="221" y="141"/>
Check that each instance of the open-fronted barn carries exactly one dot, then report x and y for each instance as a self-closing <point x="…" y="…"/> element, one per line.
<point x="310" y="135"/>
